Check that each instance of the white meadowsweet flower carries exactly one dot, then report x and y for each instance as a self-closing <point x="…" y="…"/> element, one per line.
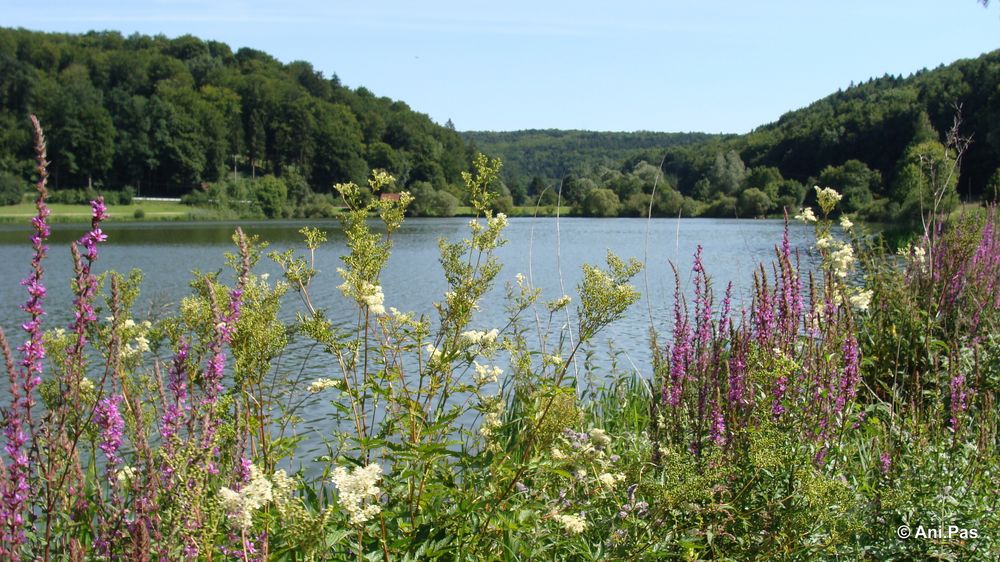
<point x="824" y="242"/>
<point x="559" y="303"/>
<point x="806" y="215"/>
<point x="828" y="198"/>
<point x="486" y="374"/>
<point x="86" y="385"/>
<point x="491" y="421"/>
<point x="240" y="505"/>
<point x="472" y="336"/>
<point x="490" y="337"/>
<point x="284" y="484"/>
<point x="433" y="353"/>
<point x="125" y="475"/>
<point x="573" y="524"/>
<point x="861" y="300"/>
<point x="374" y="299"/>
<point x="843" y="260"/>
<point x="356" y="489"/>
<point x="499" y="221"/>
<point x="321" y="384"/>
<point x="520" y="279"/>
<point x="142" y="344"/>
<point x="128" y="323"/>
<point x="610" y="480"/>
<point x="599" y="438"/>
<point x="555" y="360"/>
<point x="845" y="222"/>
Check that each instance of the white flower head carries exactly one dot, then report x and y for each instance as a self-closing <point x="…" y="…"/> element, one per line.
<point x="573" y="524"/>
<point x="486" y="374"/>
<point x="828" y="198"/>
<point x="610" y="480"/>
<point x="861" y="300"/>
<point x="843" y="260"/>
<point x="356" y="489"/>
<point x="599" y="438"/>
<point x="374" y="299"/>
<point x="806" y="215"/>
<point x="559" y="303"/>
<point x="240" y="505"/>
<point x="321" y="384"/>
<point x="845" y="222"/>
<point x="124" y="476"/>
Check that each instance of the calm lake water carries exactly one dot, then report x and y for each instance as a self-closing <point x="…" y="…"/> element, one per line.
<point x="550" y="252"/>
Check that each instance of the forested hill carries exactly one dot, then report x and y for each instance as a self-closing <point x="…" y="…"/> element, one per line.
<point x="166" y="115"/>
<point x="884" y="144"/>
<point x="881" y="142"/>
<point x="553" y="153"/>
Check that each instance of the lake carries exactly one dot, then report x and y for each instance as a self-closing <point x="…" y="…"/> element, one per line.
<point x="550" y="251"/>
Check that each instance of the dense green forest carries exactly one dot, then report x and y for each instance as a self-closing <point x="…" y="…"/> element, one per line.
<point x="555" y="153"/>
<point x="257" y="137"/>
<point x="172" y="117"/>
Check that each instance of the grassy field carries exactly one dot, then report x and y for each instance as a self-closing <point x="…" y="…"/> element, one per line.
<point x="150" y="211"/>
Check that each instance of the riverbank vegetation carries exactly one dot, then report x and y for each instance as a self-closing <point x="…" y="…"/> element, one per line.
<point x="847" y="412"/>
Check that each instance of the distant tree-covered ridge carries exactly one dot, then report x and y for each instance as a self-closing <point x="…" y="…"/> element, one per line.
<point x="554" y="153"/>
<point x="170" y="116"/>
<point x="881" y="143"/>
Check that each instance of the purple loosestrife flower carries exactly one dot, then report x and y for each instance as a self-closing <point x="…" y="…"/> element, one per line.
<point x="85" y="286"/>
<point x="849" y="379"/>
<point x="681" y="350"/>
<point x="780" y="387"/>
<point x="737" y="395"/>
<point x="177" y="408"/>
<point x="885" y="462"/>
<point x="19" y="426"/>
<point x="112" y="425"/>
<point x="717" y="430"/>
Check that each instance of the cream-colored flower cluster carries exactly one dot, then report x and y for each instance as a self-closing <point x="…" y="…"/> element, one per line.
<point x="806" y="215"/>
<point x="486" y="374"/>
<point x="374" y="299"/>
<point x="842" y="260"/>
<point x="124" y="476"/>
<point x="433" y="353"/>
<point x="559" y="303"/>
<point x="357" y="492"/>
<point x="915" y="255"/>
<point x="573" y="524"/>
<point x="610" y="479"/>
<point x="365" y="293"/>
<point x="493" y="410"/>
<point x="861" y="299"/>
<point x="478" y="337"/>
<point x="321" y="384"/>
<point x="827" y="197"/>
<point x="134" y="337"/>
<point x="240" y="505"/>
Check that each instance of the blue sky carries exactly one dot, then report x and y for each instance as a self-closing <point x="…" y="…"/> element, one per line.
<point x="668" y="65"/>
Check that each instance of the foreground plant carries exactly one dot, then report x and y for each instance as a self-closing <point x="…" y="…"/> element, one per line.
<point x="782" y="431"/>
